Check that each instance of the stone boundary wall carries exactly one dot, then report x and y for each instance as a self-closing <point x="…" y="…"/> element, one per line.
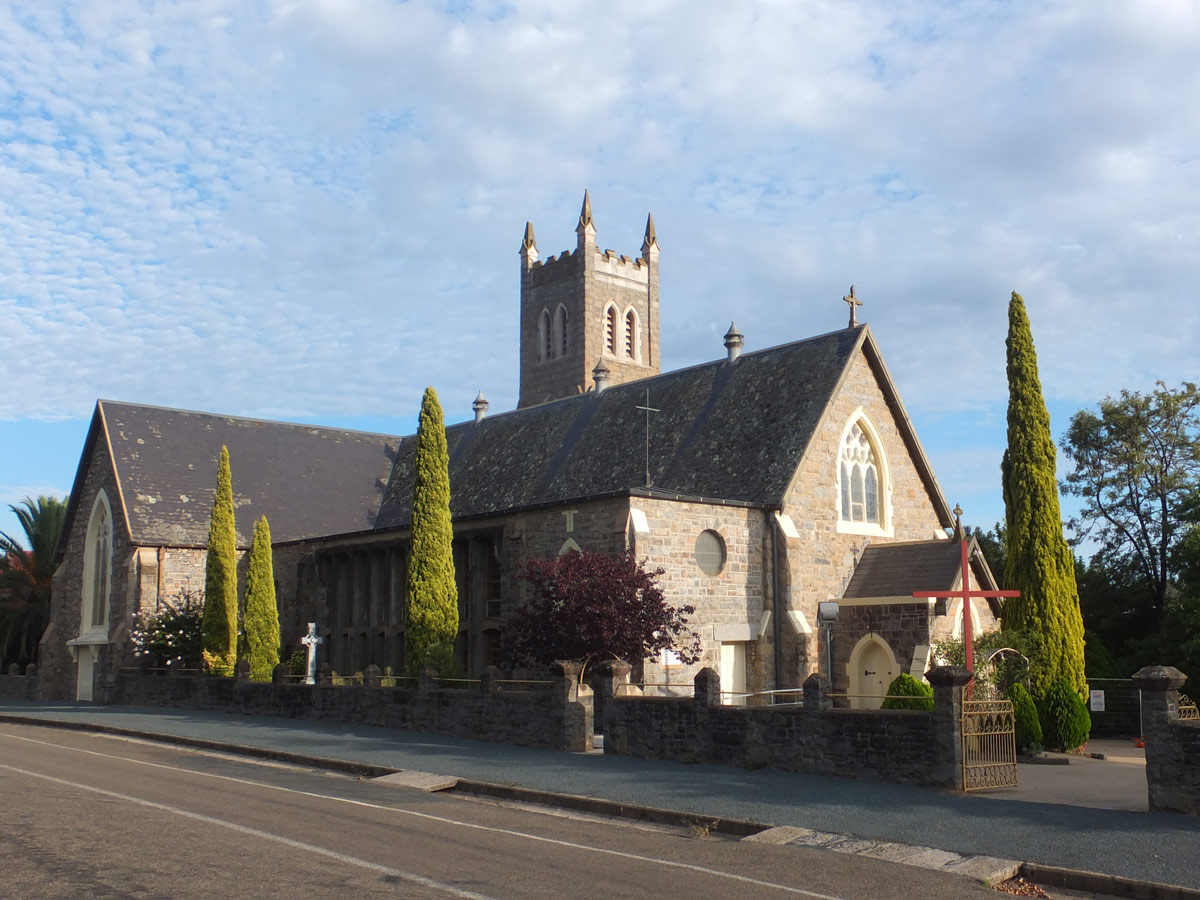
<point x="15" y="686"/>
<point x="901" y="746"/>
<point x="1172" y="744"/>
<point x="549" y="716"/>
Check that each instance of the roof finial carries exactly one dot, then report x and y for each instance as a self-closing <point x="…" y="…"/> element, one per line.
<point x="480" y="406"/>
<point x="854" y="303"/>
<point x="734" y="340"/>
<point x="600" y="376"/>
<point x="958" y="526"/>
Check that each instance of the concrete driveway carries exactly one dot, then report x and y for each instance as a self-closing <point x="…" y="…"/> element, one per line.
<point x="1116" y="782"/>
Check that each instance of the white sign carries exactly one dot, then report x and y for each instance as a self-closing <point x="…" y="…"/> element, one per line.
<point x="1096" y="703"/>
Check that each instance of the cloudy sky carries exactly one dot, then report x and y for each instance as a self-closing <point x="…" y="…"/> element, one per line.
<point x="311" y="210"/>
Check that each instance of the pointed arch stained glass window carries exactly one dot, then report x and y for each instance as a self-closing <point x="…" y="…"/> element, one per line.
<point x="859" y="472"/>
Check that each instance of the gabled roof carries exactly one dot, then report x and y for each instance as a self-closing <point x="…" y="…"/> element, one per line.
<point x="308" y="481"/>
<point x="733" y="432"/>
<point x="898" y="569"/>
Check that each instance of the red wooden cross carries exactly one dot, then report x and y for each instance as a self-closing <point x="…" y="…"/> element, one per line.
<point x="966" y="594"/>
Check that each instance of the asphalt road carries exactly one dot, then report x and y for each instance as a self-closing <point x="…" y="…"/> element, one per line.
<point x="94" y="816"/>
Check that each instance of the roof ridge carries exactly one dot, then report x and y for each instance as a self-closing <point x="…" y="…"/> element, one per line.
<point x="250" y="419"/>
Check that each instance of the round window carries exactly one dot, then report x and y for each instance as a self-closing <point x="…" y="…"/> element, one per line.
<point x="710" y="552"/>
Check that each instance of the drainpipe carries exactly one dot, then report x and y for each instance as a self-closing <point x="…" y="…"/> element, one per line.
<point x="778" y="599"/>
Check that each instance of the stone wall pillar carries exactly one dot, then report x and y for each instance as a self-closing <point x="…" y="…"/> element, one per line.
<point x="372" y="676"/>
<point x="605" y="679"/>
<point x="708" y="687"/>
<point x="817" y="689"/>
<point x="576" y="703"/>
<point x="241" y="671"/>
<point x="948" y="684"/>
<point x="279" y="674"/>
<point x="489" y="682"/>
<point x="1172" y="746"/>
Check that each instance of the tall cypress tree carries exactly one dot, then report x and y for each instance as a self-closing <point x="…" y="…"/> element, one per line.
<point x="1039" y="564"/>
<point x="432" y="622"/>
<point x="261" y="619"/>
<point x="219" y="622"/>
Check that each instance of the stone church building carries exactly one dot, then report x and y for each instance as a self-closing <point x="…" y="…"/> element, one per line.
<point x="772" y="480"/>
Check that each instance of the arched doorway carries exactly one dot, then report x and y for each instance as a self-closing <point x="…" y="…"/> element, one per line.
<point x="872" y="668"/>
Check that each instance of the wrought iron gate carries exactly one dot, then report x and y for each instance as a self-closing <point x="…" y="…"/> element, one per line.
<point x="989" y="745"/>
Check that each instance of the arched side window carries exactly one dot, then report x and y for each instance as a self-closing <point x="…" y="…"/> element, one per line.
<point x="561" y="320"/>
<point x="610" y="331"/>
<point x="632" y="348"/>
<point x="545" y="336"/>
<point x="97" y="567"/>
<point x="568" y="546"/>
<point x="862" y="479"/>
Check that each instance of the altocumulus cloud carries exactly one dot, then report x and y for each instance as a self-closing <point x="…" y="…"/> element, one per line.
<point x="313" y="208"/>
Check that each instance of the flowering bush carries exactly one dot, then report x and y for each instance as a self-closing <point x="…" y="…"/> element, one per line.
<point x="171" y="636"/>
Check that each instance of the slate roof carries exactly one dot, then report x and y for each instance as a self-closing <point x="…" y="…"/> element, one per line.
<point x="898" y="569"/>
<point x="308" y="481"/>
<point x="729" y="432"/>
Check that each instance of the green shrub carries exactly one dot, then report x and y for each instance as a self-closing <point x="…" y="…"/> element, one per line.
<point x="1064" y="717"/>
<point x="171" y="636"/>
<point x="904" y="685"/>
<point x="1025" y="715"/>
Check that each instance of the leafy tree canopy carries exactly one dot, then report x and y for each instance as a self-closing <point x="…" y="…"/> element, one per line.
<point x="26" y="575"/>
<point x="1137" y="470"/>
<point x="592" y="606"/>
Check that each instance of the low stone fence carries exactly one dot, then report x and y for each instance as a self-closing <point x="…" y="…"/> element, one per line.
<point x="1172" y="744"/>
<point x="18" y="685"/>
<point x="553" y="714"/>
<point x="902" y="746"/>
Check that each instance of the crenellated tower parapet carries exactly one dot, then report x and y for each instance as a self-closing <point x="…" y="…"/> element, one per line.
<point x="583" y="307"/>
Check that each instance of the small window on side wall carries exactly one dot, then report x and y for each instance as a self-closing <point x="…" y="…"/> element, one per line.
<point x="710" y="552"/>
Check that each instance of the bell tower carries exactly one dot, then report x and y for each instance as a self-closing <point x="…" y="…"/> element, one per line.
<point x="584" y="307"/>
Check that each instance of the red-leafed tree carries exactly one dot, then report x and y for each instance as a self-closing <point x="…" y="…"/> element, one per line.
<point x="593" y="606"/>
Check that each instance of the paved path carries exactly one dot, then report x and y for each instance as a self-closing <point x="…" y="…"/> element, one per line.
<point x="1140" y="845"/>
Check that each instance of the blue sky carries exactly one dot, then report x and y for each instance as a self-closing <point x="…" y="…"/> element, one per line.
<point x="311" y="210"/>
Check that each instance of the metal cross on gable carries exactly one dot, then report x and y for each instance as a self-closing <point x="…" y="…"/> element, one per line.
<point x="311" y="642"/>
<point x="648" y="409"/>
<point x="965" y="593"/>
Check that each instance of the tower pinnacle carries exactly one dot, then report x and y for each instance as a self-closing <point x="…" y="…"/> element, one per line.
<point x="651" y="240"/>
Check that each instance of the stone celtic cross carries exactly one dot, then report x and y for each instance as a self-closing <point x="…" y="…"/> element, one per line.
<point x="310" y="641"/>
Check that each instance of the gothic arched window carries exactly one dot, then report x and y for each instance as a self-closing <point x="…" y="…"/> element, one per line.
<point x="545" y="337"/>
<point x="561" y="320"/>
<point x="859" y="476"/>
<point x="610" y="330"/>
<point x="97" y="567"/>
<point x="631" y="334"/>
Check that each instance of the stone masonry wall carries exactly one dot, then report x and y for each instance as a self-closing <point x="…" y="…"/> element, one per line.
<point x="550" y="717"/>
<point x="729" y="602"/>
<point x="58" y="679"/>
<point x="821" y="561"/>
<point x="19" y="687"/>
<point x="901" y="746"/>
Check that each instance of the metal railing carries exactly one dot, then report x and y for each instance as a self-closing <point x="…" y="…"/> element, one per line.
<point x="655" y="689"/>
<point x="778" y="697"/>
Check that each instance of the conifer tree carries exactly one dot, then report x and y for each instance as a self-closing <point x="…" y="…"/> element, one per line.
<point x="261" y="619"/>
<point x="432" y="622"/>
<point x="1039" y="563"/>
<point x="219" y="623"/>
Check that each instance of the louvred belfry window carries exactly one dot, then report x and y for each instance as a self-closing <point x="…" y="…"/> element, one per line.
<point x="610" y="331"/>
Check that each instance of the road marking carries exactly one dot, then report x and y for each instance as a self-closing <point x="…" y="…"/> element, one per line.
<point x="743" y="879"/>
<point x="265" y="835"/>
